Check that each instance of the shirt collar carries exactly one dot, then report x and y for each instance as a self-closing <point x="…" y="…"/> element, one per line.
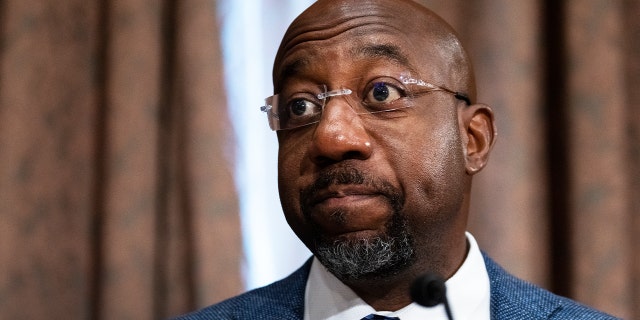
<point x="468" y="292"/>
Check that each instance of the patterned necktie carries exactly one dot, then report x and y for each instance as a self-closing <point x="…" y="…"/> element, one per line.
<point x="379" y="317"/>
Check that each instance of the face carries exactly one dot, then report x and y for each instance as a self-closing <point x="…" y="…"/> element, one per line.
<point x="371" y="195"/>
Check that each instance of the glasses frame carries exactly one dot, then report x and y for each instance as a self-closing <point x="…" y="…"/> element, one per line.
<point x="274" y="121"/>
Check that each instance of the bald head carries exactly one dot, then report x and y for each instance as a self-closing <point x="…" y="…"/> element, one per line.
<point x="411" y="32"/>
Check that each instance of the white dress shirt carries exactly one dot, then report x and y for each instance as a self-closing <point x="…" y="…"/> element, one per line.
<point x="467" y="291"/>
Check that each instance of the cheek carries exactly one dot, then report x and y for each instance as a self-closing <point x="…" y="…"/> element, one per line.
<point x="288" y="169"/>
<point x="290" y="154"/>
<point x="289" y="161"/>
<point x="434" y="170"/>
<point x="446" y="161"/>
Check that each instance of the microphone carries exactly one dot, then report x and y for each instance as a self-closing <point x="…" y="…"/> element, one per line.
<point x="429" y="290"/>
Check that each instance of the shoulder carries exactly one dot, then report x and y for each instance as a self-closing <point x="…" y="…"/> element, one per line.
<point x="283" y="299"/>
<point x="513" y="298"/>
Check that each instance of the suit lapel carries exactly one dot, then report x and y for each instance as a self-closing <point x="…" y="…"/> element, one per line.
<point x="512" y="298"/>
<point x="283" y="299"/>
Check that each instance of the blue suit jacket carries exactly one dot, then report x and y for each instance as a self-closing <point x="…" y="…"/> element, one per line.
<point x="511" y="298"/>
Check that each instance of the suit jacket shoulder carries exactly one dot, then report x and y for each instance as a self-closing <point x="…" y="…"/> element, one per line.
<point x="283" y="299"/>
<point x="513" y="298"/>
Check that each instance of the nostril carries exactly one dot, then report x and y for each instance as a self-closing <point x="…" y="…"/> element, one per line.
<point x="354" y="155"/>
<point x="322" y="160"/>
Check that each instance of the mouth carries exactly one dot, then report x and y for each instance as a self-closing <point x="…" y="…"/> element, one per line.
<point x="349" y="209"/>
<point x="342" y="194"/>
<point x="345" y="200"/>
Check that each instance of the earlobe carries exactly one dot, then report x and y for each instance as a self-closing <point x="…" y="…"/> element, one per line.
<point x="480" y="135"/>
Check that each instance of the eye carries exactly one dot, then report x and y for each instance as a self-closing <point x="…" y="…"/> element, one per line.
<point x="302" y="108"/>
<point x="298" y="107"/>
<point x="382" y="93"/>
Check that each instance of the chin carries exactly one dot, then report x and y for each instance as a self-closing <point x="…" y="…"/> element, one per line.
<point x="366" y="255"/>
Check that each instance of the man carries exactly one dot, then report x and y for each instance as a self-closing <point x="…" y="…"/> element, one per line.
<point x="379" y="136"/>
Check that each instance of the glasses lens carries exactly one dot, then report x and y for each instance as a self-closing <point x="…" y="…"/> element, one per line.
<point x="295" y="107"/>
<point x="300" y="104"/>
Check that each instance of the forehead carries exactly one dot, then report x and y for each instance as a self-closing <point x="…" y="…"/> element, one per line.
<point x="362" y="35"/>
<point x="348" y="57"/>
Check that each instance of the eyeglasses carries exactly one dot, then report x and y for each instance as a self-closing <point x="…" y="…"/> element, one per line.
<point x="301" y="105"/>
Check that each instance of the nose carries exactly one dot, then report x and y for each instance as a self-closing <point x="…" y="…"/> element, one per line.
<point x="339" y="135"/>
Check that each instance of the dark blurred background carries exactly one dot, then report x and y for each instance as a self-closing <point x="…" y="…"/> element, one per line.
<point x="117" y="197"/>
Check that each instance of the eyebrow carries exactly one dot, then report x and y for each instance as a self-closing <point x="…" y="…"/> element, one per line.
<point x="371" y="51"/>
<point x="385" y="51"/>
<point x="293" y="68"/>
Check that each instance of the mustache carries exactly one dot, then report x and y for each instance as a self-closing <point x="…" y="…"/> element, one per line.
<point x="349" y="176"/>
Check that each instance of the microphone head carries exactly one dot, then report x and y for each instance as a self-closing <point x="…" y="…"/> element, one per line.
<point x="429" y="290"/>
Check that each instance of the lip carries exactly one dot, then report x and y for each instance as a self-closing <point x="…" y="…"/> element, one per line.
<point x="349" y="209"/>
<point x="342" y="193"/>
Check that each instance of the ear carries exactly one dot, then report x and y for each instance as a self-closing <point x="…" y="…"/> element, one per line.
<point x="479" y="133"/>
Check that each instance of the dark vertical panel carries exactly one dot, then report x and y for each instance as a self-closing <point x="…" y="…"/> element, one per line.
<point x="632" y="77"/>
<point x="558" y="147"/>
<point x="179" y="258"/>
<point x="3" y="35"/>
<point x="100" y="156"/>
<point x="165" y="153"/>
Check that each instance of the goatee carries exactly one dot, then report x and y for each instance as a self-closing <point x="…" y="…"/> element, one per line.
<point x="373" y="257"/>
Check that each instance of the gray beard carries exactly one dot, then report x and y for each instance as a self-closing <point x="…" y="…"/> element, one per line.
<point x="368" y="258"/>
<point x="375" y="257"/>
